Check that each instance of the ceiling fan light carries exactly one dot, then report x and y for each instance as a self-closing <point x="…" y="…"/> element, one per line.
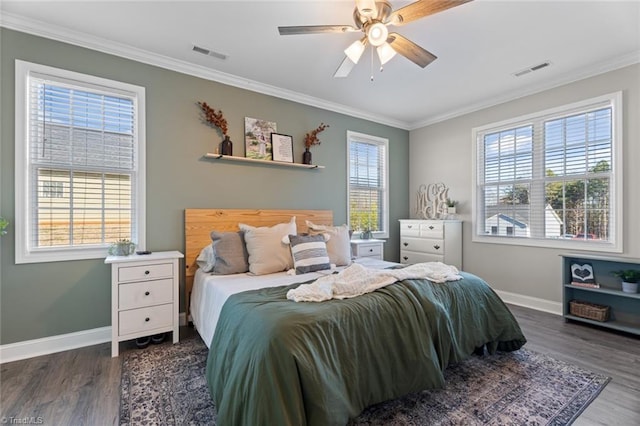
<point x="385" y="53"/>
<point x="354" y="52"/>
<point x="377" y="33"/>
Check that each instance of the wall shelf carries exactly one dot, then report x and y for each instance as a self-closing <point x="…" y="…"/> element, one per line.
<point x="266" y="162"/>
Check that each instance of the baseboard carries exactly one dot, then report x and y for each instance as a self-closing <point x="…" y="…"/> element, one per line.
<point x="531" y="302"/>
<point x="62" y="342"/>
<point x="49" y="345"/>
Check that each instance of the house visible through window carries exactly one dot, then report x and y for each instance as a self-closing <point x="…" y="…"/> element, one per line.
<point x="82" y="181"/>
<point x="368" y="167"/>
<point x="552" y="178"/>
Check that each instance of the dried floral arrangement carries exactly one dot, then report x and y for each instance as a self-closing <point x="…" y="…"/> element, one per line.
<point x="213" y="117"/>
<point x="311" y="138"/>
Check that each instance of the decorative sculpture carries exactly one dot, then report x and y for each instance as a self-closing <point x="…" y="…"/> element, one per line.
<point x="431" y="202"/>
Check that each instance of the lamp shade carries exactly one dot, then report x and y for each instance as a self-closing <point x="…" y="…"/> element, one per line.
<point x="354" y="52"/>
<point x="385" y="53"/>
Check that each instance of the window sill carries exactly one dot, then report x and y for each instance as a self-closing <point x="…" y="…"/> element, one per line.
<point x="562" y="244"/>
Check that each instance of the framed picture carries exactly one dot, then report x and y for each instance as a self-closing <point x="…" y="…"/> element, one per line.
<point x="582" y="274"/>
<point x="257" y="138"/>
<point x="282" y="146"/>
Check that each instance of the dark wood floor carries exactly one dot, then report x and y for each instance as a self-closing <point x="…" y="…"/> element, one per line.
<point x="81" y="387"/>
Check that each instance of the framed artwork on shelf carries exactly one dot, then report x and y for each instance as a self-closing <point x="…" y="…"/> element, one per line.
<point x="582" y="275"/>
<point x="282" y="147"/>
<point x="257" y="138"/>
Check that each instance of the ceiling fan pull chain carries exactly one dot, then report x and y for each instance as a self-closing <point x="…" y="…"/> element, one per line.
<point x="371" y="63"/>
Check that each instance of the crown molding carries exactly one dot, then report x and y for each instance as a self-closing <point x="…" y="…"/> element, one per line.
<point x="597" y="68"/>
<point x="53" y="32"/>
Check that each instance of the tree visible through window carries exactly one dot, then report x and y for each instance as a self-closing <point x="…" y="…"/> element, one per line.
<point x="368" y="182"/>
<point x="550" y="176"/>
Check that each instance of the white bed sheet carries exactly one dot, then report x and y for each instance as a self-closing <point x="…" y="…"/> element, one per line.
<point x="210" y="292"/>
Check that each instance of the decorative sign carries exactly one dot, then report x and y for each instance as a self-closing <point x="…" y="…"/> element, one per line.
<point x="431" y="201"/>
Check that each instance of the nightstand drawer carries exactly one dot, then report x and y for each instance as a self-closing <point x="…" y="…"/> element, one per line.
<point x="145" y="293"/>
<point x="422" y="245"/>
<point x="145" y="272"/>
<point x="138" y="320"/>
<point x="408" y="258"/>
<point x="370" y="250"/>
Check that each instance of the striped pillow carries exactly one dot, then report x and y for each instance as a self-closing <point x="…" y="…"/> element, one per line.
<point x="309" y="253"/>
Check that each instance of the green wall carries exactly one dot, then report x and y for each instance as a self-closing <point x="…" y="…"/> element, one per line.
<point x="47" y="299"/>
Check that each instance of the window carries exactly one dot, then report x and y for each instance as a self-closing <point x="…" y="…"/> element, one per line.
<point x="368" y="192"/>
<point x="552" y="179"/>
<point x="79" y="164"/>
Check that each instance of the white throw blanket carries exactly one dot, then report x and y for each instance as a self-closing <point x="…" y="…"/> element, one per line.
<point x="357" y="279"/>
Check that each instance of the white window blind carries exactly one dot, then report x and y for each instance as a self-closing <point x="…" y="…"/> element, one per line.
<point x="551" y="177"/>
<point x="82" y="186"/>
<point x="368" y="182"/>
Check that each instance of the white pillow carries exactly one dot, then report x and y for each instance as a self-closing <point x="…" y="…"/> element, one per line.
<point x="267" y="252"/>
<point x="206" y="259"/>
<point x="339" y="243"/>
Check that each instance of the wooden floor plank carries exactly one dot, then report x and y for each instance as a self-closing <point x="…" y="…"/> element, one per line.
<point x="83" y="386"/>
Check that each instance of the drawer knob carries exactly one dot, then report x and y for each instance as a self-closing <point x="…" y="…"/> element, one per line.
<point x="146" y="293"/>
<point x="436" y="247"/>
<point x="405" y="258"/>
<point x="430" y="226"/>
<point x="147" y="319"/>
<point x="146" y="272"/>
<point x="406" y="244"/>
<point x="409" y="226"/>
<point x="370" y="250"/>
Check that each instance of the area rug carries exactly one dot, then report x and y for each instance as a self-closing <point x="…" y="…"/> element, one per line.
<point x="165" y="385"/>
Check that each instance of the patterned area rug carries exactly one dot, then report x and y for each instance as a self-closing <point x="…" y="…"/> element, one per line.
<point x="165" y="384"/>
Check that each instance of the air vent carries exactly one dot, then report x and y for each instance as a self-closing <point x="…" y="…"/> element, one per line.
<point x="209" y="52"/>
<point x="530" y="69"/>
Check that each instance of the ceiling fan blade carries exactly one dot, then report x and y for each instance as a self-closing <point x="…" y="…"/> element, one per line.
<point x="420" y="9"/>
<point x="345" y="68"/>
<point x="410" y="50"/>
<point x="316" y="29"/>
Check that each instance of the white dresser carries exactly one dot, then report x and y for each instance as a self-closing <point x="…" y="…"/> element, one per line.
<point x="431" y="241"/>
<point x="367" y="248"/>
<point x="144" y="296"/>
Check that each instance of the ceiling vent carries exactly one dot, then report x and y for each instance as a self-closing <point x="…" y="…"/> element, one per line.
<point x="530" y="69"/>
<point x="209" y="52"/>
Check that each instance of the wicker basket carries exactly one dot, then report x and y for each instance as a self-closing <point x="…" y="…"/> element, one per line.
<point x="589" y="310"/>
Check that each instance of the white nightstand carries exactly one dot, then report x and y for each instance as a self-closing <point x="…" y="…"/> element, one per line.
<point x="144" y="296"/>
<point x="368" y="248"/>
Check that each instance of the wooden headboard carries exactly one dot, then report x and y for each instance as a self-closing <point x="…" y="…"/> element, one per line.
<point x="198" y="224"/>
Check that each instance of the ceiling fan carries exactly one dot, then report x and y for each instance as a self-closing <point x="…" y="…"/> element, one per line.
<point x="372" y="18"/>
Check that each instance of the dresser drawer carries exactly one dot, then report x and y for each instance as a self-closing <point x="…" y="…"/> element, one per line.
<point x="145" y="272"/>
<point x="410" y="229"/>
<point x="432" y="229"/>
<point x="410" y="257"/>
<point x="145" y="293"/>
<point x="425" y="245"/>
<point x="138" y="320"/>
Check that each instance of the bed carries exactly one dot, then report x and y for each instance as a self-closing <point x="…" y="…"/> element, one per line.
<point x="275" y="361"/>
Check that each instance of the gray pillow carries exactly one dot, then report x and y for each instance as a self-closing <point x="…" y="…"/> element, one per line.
<point x="309" y="253"/>
<point x="230" y="253"/>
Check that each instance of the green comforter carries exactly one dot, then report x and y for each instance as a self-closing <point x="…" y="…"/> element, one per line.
<point x="276" y="362"/>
